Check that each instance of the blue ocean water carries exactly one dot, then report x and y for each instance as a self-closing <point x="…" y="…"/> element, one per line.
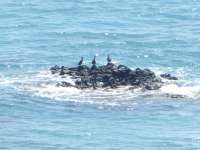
<point x="37" y="34"/>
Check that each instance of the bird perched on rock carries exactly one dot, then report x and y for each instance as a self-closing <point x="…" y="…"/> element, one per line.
<point x="94" y="67"/>
<point x="109" y="59"/>
<point x="80" y="62"/>
<point x="94" y="61"/>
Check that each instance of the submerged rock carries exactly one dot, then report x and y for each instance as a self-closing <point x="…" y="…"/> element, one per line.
<point x="111" y="76"/>
<point x="64" y="84"/>
<point x="168" y="76"/>
<point x="55" y="69"/>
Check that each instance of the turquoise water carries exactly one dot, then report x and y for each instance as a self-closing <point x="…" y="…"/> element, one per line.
<point x="161" y="35"/>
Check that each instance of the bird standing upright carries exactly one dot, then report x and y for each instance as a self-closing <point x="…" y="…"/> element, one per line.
<point x="94" y="61"/>
<point x="80" y="62"/>
<point x="109" y="59"/>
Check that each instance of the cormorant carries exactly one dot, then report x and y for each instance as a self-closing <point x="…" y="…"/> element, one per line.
<point x="94" y="67"/>
<point x="94" y="61"/>
<point x="80" y="62"/>
<point x="109" y="59"/>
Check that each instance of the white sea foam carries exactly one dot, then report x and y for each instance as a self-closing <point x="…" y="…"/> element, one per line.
<point x="188" y="91"/>
<point x="43" y="84"/>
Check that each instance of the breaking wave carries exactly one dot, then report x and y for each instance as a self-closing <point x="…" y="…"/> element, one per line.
<point x="43" y="84"/>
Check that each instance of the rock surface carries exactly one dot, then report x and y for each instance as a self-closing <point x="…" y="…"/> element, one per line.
<point x="111" y="76"/>
<point x="168" y="76"/>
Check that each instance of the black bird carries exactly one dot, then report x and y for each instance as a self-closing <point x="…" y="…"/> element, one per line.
<point x="109" y="59"/>
<point x="94" y="61"/>
<point x="80" y="62"/>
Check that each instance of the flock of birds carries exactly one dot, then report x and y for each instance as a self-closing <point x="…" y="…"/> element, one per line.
<point x="94" y="60"/>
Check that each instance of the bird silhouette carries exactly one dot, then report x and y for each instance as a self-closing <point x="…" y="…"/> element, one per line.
<point x="109" y="59"/>
<point x="80" y="62"/>
<point x="94" y="61"/>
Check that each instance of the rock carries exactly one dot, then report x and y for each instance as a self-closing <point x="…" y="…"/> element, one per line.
<point x="62" y="70"/>
<point x="121" y="72"/>
<point x="176" y="96"/>
<point x="83" y="83"/>
<point x="110" y="76"/>
<point x="168" y="76"/>
<point x="55" y="69"/>
<point x="64" y="84"/>
<point x="153" y="86"/>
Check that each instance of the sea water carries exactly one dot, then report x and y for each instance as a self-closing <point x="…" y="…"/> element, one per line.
<point x="37" y="34"/>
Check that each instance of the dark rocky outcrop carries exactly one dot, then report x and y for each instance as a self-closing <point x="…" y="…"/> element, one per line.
<point x="168" y="76"/>
<point x="110" y="75"/>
